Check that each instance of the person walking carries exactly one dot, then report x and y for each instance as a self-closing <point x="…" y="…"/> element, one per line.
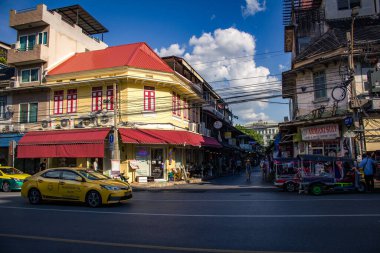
<point x="248" y="169"/>
<point x="96" y="165"/>
<point x="369" y="166"/>
<point x="43" y="165"/>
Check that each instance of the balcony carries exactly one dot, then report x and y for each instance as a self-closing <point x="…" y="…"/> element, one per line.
<point x="29" y="18"/>
<point x="38" y="54"/>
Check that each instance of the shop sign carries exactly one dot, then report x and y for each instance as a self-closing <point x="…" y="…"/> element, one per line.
<point x="321" y="132"/>
<point x="227" y="135"/>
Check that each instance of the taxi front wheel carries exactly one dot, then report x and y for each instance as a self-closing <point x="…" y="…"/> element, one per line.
<point x="6" y="187"/>
<point x="93" y="199"/>
<point x="34" y="196"/>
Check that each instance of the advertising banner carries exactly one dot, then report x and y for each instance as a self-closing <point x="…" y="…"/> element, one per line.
<point x="321" y="132"/>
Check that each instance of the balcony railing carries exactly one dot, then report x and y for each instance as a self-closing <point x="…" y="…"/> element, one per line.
<point x="35" y="54"/>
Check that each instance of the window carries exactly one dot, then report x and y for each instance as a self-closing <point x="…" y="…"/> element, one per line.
<point x="69" y="175"/>
<point x="27" y="42"/>
<point x="303" y="42"/>
<point x="348" y="4"/>
<point x="29" y="75"/>
<point x="42" y="38"/>
<point x="28" y="112"/>
<point x="58" y="102"/>
<point x="185" y="109"/>
<point x="176" y="104"/>
<point x="320" y="89"/>
<point x="194" y="113"/>
<point x="3" y="106"/>
<point x="149" y="99"/>
<point x="109" y="97"/>
<point x="72" y="101"/>
<point x="52" y="174"/>
<point x="96" y="98"/>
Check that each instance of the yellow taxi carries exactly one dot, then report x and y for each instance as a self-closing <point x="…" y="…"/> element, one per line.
<point x="11" y="178"/>
<point x="75" y="184"/>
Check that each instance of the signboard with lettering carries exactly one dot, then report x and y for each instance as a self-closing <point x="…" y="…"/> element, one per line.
<point x="321" y="132"/>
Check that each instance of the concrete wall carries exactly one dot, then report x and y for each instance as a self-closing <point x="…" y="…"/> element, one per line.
<point x="306" y="100"/>
<point x="29" y="96"/>
<point x="63" y="39"/>
<point x="332" y="12"/>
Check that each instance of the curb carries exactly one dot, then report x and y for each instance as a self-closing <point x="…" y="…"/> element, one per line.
<point x="201" y="190"/>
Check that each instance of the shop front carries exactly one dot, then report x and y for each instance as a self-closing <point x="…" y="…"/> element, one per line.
<point x="66" y="148"/>
<point x="325" y="140"/>
<point x="154" y="155"/>
<point x="8" y="142"/>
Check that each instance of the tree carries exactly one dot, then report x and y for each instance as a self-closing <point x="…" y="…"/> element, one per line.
<point x="251" y="133"/>
<point x="3" y="60"/>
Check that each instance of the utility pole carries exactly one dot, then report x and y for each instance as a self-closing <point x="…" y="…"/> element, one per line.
<point x="116" y="151"/>
<point x="354" y="102"/>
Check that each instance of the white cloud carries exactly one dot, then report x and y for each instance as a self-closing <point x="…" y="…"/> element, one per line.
<point x="282" y="67"/>
<point x="252" y="7"/>
<point x="174" y="49"/>
<point x="228" y="54"/>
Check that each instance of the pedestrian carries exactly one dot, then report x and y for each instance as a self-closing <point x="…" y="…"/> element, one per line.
<point x="238" y="166"/>
<point x="248" y="169"/>
<point x="43" y="165"/>
<point x="96" y="165"/>
<point x="369" y="166"/>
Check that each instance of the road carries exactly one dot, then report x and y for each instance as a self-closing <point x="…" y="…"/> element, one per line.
<point x="222" y="220"/>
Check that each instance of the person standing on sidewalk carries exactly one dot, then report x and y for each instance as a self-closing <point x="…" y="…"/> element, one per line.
<point x="368" y="165"/>
<point x="248" y="169"/>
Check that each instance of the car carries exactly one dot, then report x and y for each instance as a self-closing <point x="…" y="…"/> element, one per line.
<point x="11" y="179"/>
<point x="75" y="184"/>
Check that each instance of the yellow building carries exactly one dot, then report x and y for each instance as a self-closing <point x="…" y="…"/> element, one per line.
<point x="155" y="109"/>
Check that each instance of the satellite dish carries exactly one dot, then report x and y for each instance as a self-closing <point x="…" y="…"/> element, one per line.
<point x="218" y="124"/>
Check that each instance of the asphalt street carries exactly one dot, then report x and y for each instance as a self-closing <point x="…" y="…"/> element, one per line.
<point x="223" y="220"/>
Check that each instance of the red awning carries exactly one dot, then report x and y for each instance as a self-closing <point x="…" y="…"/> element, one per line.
<point x="210" y="142"/>
<point x="153" y="136"/>
<point x="138" y="136"/>
<point x="63" y="143"/>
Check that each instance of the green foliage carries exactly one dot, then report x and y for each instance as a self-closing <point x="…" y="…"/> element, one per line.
<point x="3" y="60"/>
<point x="251" y="133"/>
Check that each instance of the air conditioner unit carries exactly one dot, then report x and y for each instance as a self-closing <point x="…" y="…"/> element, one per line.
<point x="66" y="123"/>
<point x="20" y="127"/>
<point x="88" y="122"/>
<point x="375" y="104"/>
<point x="105" y="120"/>
<point x="45" y="124"/>
<point x="193" y="127"/>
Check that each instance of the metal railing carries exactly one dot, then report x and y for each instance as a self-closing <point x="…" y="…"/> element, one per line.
<point x="26" y="10"/>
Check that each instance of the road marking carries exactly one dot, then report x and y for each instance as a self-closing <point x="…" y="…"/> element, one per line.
<point x="197" y="215"/>
<point x="249" y="200"/>
<point x="131" y="245"/>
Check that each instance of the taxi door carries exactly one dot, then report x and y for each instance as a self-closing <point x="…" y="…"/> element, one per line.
<point x="69" y="187"/>
<point x="48" y="184"/>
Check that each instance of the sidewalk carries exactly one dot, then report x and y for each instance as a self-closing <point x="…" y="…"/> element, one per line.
<point x="228" y="182"/>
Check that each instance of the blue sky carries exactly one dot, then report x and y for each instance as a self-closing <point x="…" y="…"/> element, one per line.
<point x="198" y="27"/>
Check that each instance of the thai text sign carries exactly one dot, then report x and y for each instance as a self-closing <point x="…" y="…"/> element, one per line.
<point x="322" y="132"/>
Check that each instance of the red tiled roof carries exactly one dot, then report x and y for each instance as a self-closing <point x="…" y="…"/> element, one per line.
<point x="137" y="55"/>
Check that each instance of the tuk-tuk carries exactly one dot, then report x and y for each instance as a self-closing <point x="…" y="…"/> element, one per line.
<point x="327" y="174"/>
<point x="286" y="173"/>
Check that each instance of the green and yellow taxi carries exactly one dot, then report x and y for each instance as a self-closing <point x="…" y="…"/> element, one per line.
<point x="11" y="179"/>
<point x="75" y="184"/>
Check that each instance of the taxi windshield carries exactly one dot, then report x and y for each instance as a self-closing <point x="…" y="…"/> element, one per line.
<point x="92" y="175"/>
<point x="11" y="171"/>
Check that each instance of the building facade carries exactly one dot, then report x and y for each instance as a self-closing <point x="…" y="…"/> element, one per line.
<point x="268" y="130"/>
<point x="326" y="117"/>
